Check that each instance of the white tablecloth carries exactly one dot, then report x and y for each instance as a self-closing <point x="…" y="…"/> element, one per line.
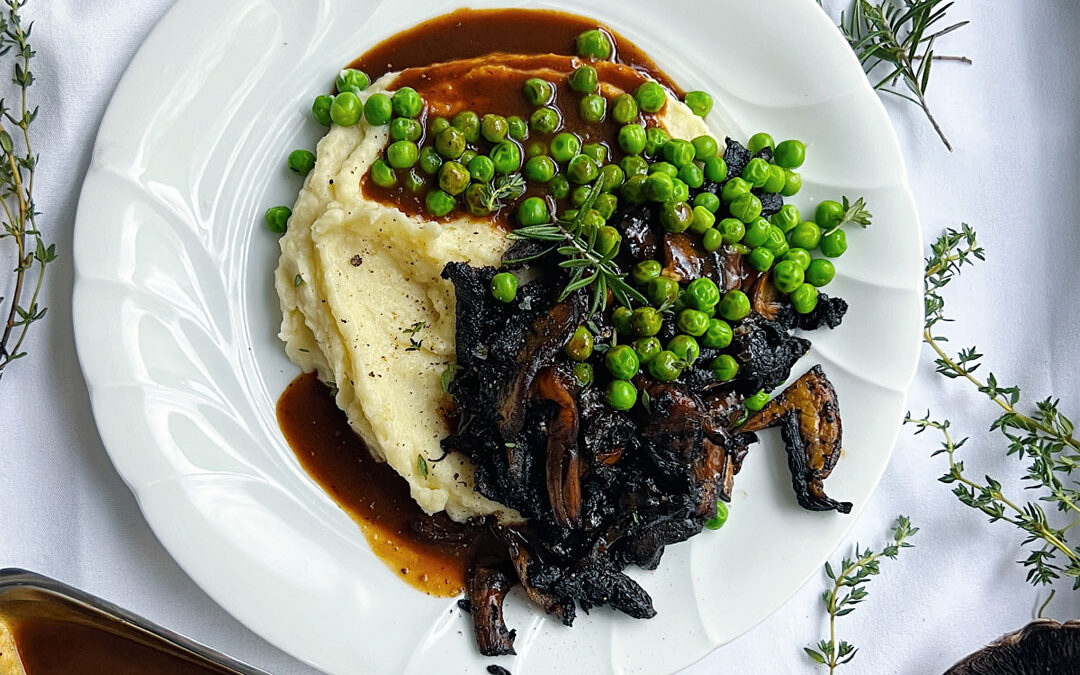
<point x="1013" y="118"/>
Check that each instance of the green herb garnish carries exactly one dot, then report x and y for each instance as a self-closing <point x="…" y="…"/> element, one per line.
<point x="505" y="188"/>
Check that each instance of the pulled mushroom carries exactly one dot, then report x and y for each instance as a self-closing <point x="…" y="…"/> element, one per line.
<point x="1043" y="647"/>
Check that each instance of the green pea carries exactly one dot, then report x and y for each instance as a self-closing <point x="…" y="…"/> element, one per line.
<point x="583" y="79"/>
<point x="439" y="203"/>
<point x="702" y="294"/>
<point x="624" y="109"/>
<point x="535" y="149"/>
<point x="620" y="319"/>
<point x="647" y="348"/>
<point x="533" y="211"/>
<point x="622" y="362"/>
<point x="633" y="190"/>
<point x="692" y="175"/>
<point x="607" y="240"/>
<point x="405" y="129"/>
<point x="493" y="128"/>
<point x="776" y="181"/>
<point x="453" y="178"/>
<point x="539" y="169"/>
<point x="666" y="366"/>
<point x="732" y="230"/>
<point x="804" y="298"/>
<point x="377" y="109"/>
<point x="437" y="126"/>
<point x="646" y="321"/>
<point x="594" y="44"/>
<point x="382" y="174"/>
<point x="819" y="272"/>
<point x="664" y="167"/>
<point x="715" y="169"/>
<point x="538" y="92"/>
<point x="676" y="216"/>
<point x="467" y="156"/>
<point x="565" y="146"/>
<point x="655" y="140"/>
<point x="718" y="334"/>
<point x="517" y="128"/>
<point x="559" y="187"/>
<point x="760" y="141"/>
<point x="713" y="239"/>
<point x="430" y="160"/>
<point x="702" y="221"/>
<point x="632" y="165"/>
<point x="414" y="182"/>
<point x="756" y="172"/>
<point x="699" y="102"/>
<point x="724" y="367"/>
<point x="406" y="102"/>
<point x="592" y="222"/>
<point x="582" y="169"/>
<point x="708" y="200"/>
<point x="805" y="235"/>
<point x="776" y="242"/>
<point x="611" y="177"/>
<point x="579" y="194"/>
<point x="592" y="108"/>
<point x="757" y="233"/>
<point x="606" y="205"/>
<point x="481" y="169"/>
<point x="734" y="188"/>
<point x="828" y="214"/>
<point x="450" y="143"/>
<point x="506" y="156"/>
<point x="692" y="322"/>
<point x="402" y="154"/>
<point x="632" y="139"/>
<point x="277" y="218"/>
<point x="680" y="190"/>
<point x="678" y="152"/>
<point x="734" y="305"/>
<point x="351" y="79"/>
<point x="659" y="187"/>
<point x="717" y="521"/>
<point x="346" y="109"/>
<point x="621" y="394"/>
<point x="786" y="218"/>
<point x="757" y="401"/>
<point x="504" y="287"/>
<point x="792" y="183"/>
<point x="800" y="256"/>
<point x="596" y="151"/>
<point x="580" y="346"/>
<point x="320" y="109"/>
<point x="704" y="147"/>
<point x="746" y="207"/>
<point x="685" y="347"/>
<point x="787" y="275"/>
<point x="790" y="154"/>
<point x="761" y="259"/>
<point x="645" y="271"/>
<point x="301" y="162"/>
<point x="663" y="291"/>
<point x="469" y="123"/>
<point x="650" y="97"/>
<point x="834" y="244"/>
<point x="583" y="373"/>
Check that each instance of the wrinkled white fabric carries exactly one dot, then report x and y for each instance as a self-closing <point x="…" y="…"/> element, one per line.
<point x="1013" y="119"/>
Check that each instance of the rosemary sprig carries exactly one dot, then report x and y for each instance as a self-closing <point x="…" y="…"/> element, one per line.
<point x="1039" y="433"/>
<point x="505" y="188"/>
<point x="854" y="212"/>
<point x="848" y="589"/>
<point x="589" y="268"/>
<point x="900" y="34"/>
<point x="17" y="168"/>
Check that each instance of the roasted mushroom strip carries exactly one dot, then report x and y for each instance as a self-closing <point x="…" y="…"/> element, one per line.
<point x="487" y="588"/>
<point x="809" y="419"/>
<point x="563" y="464"/>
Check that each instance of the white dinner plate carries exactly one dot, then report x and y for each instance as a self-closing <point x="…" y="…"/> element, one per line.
<point x="176" y="321"/>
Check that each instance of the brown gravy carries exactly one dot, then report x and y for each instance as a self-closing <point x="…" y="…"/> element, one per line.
<point x="53" y="637"/>
<point x="369" y="491"/>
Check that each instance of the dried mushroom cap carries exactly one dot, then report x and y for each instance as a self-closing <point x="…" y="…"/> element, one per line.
<point x="1043" y="647"/>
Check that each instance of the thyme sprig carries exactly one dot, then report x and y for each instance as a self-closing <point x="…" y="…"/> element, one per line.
<point x="1040" y="434"/>
<point x="17" y="169"/>
<point x="588" y="266"/>
<point x="848" y="589"/>
<point x="854" y="213"/>
<point x="505" y="188"/>
<point x="900" y="35"/>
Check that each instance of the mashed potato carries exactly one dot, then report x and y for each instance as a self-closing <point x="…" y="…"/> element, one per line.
<point x="364" y="305"/>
